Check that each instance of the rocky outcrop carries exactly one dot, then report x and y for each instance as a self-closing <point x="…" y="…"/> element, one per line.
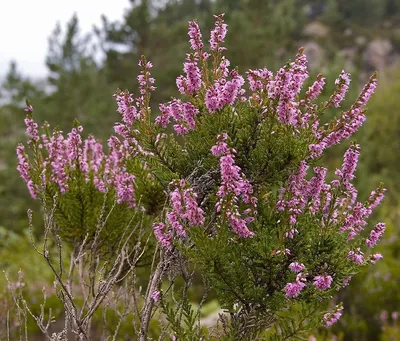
<point x="316" y="30"/>
<point x="377" y="55"/>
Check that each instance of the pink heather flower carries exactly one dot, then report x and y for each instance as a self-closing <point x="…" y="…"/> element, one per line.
<point x="93" y="156"/>
<point x="124" y="188"/>
<point x="356" y="256"/>
<point x="184" y="209"/>
<point x="182" y="113"/>
<point x="221" y="148"/>
<point x="233" y="188"/>
<point x="218" y="33"/>
<point x="376" y="198"/>
<point x="375" y="234"/>
<point x="349" y="164"/>
<point x="193" y="213"/>
<point x="74" y="145"/>
<point x="176" y="224"/>
<point x="58" y="159"/>
<point x="294" y="289"/>
<point x="163" y="237"/>
<point x="346" y="281"/>
<point x="23" y="164"/>
<point x="290" y="234"/>
<point x="155" y="296"/>
<point x="146" y="86"/>
<point x="192" y="82"/>
<point x="194" y="33"/>
<point x="355" y="220"/>
<point x="126" y="107"/>
<point x="283" y="252"/>
<point x="223" y="67"/>
<point x="342" y="86"/>
<point x="238" y="225"/>
<point x="224" y="92"/>
<point x="323" y="282"/>
<point x="232" y="88"/>
<point x="29" y="108"/>
<point x="367" y="91"/>
<point x="375" y="257"/>
<point x="333" y="317"/>
<point x="315" y="90"/>
<point x="289" y="79"/>
<point x="286" y="86"/>
<point x="296" y="267"/>
<point x="315" y="188"/>
<point x="212" y="100"/>
<point x="258" y="79"/>
<point x="23" y="168"/>
<point x="31" y="129"/>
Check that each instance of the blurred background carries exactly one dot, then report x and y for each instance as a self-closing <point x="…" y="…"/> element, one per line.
<point x="68" y="57"/>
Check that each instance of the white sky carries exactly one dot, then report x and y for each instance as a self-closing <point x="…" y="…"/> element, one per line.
<point x="25" y="26"/>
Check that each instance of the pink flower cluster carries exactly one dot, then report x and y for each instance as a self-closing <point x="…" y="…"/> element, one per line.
<point x="183" y="113"/>
<point x="375" y="234"/>
<point x="31" y="129"/>
<point x="135" y="109"/>
<point x="225" y="89"/>
<point x="126" y="107"/>
<point x="184" y="212"/>
<point x="192" y="82"/>
<point x="375" y="257"/>
<point x="323" y="282"/>
<point x="302" y="194"/>
<point x="349" y="166"/>
<point x="342" y="86"/>
<point x="315" y="196"/>
<point x="62" y="156"/>
<point x="218" y="34"/>
<point x="163" y="235"/>
<point x="294" y="289"/>
<point x="224" y="92"/>
<point x="24" y="168"/>
<point x="296" y="267"/>
<point x="144" y="78"/>
<point x="155" y="296"/>
<point x="286" y="86"/>
<point x="356" y="256"/>
<point x="259" y="79"/>
<point x="234" y="187"/>
<point x="196" y="42"/>
<point x="333" y="317"/>
<point x="345" y="126"/>
<point x="316" y="89"/>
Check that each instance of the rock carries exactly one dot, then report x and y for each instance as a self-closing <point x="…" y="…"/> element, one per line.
<point x="360" y="40"/>
<point x="377" y="55"/>
<point x="315" y="54"/>
<point x="316" y="30"/>
<point x="348" y="32"/>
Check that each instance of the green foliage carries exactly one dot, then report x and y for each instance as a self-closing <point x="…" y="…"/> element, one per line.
<point x="81" y="86"/>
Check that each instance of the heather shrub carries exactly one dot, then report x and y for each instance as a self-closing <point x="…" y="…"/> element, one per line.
<point x="234" y="201"/>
